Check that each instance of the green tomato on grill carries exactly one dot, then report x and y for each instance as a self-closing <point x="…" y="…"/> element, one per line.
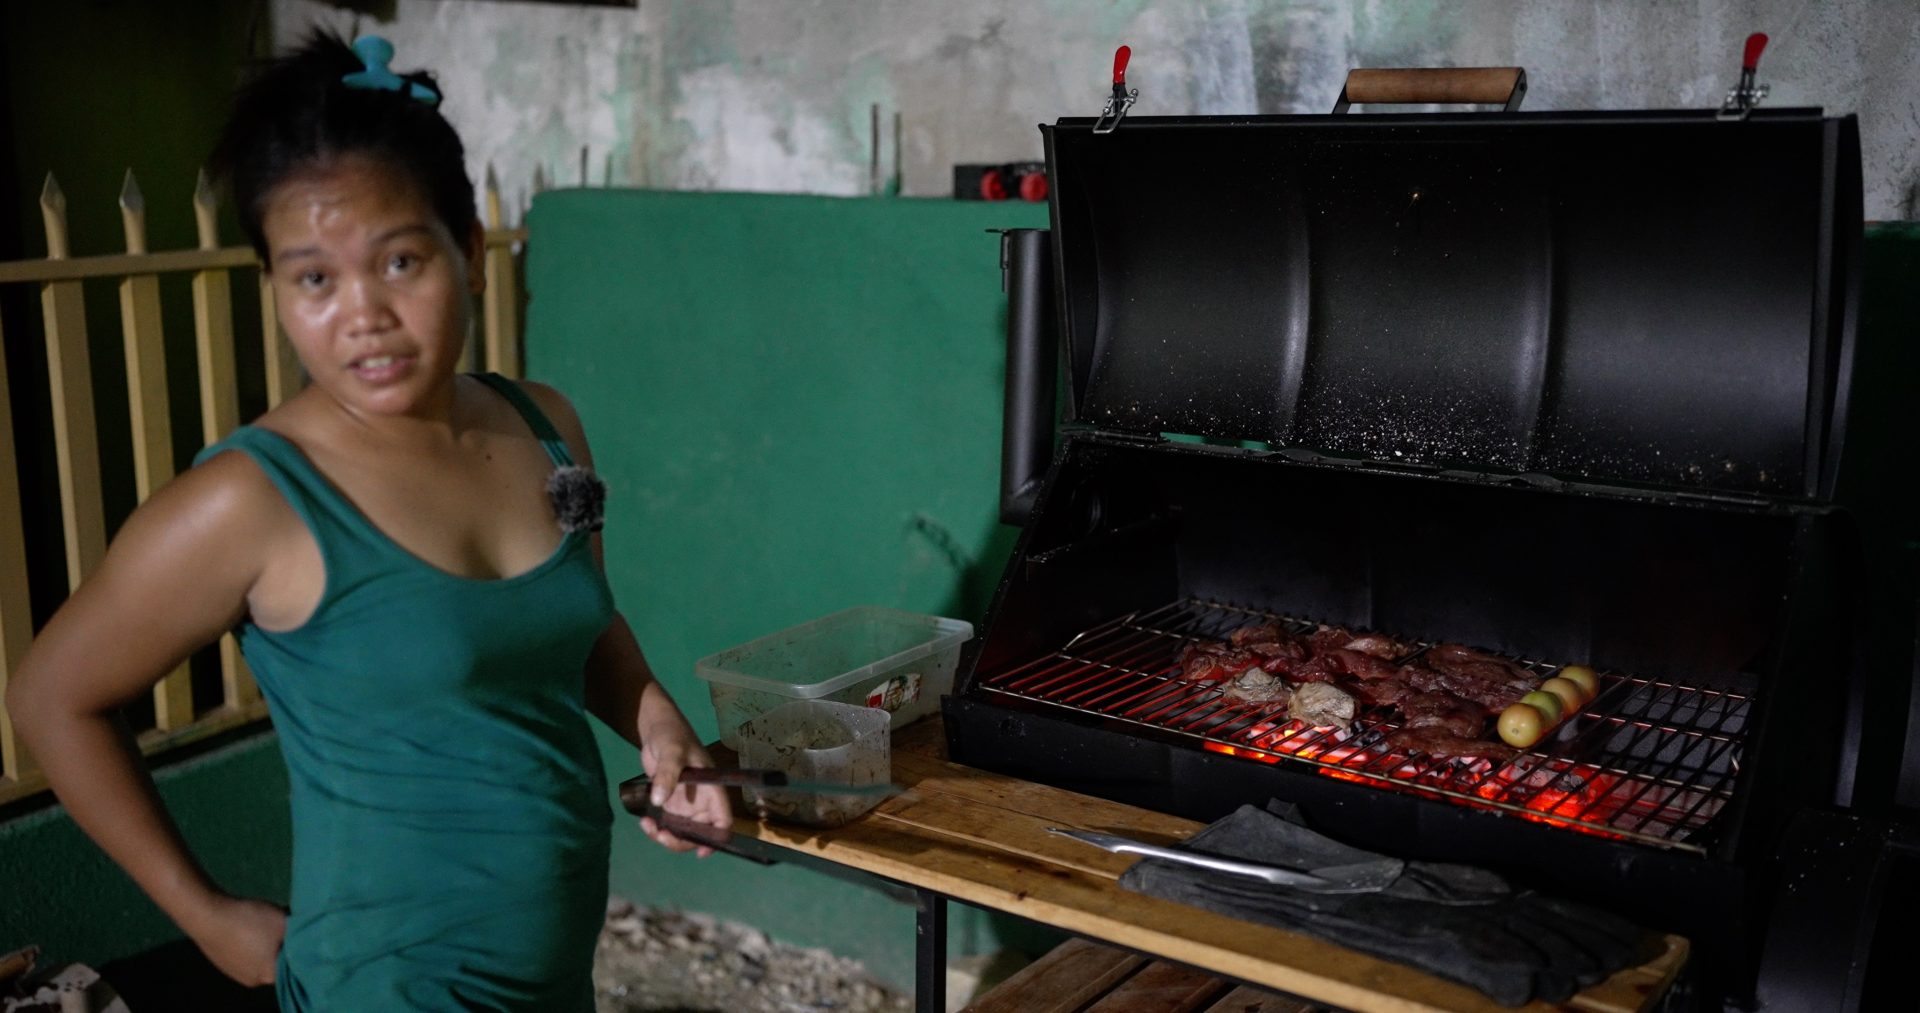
<point x="1549" y="705"/>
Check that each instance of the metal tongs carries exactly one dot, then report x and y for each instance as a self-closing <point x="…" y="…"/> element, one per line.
<point x="1360" y="877"/>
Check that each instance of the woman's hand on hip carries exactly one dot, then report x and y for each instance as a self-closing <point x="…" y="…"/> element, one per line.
<point x="241" y="936"/>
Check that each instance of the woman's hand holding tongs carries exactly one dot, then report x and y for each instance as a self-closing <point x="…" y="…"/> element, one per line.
<point x="681" y="816"/>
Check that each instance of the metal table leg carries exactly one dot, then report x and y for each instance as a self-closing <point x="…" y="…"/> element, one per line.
<point x="930" y="952"/>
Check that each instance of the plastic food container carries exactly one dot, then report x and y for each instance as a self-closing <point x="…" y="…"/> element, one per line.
<point x="817" y="740"/>
<point x="900" y="662"/>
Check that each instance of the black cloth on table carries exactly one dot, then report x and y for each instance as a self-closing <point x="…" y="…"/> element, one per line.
<point x="1458" y="922"/>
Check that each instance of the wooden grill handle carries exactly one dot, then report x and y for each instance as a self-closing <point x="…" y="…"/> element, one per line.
<point x="1504" y="86"/>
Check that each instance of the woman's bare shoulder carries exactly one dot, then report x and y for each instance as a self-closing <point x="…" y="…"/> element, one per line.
<point x="228" y="496"/>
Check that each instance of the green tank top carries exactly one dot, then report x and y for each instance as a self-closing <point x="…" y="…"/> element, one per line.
<point x="450" y="817"/>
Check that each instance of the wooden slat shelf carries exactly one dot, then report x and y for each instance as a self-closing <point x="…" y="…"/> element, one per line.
<point x="981" y="838"/>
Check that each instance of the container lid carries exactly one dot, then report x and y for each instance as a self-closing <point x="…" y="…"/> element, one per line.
<point x="822" y="657"/>
<point x="1650" y="298"/>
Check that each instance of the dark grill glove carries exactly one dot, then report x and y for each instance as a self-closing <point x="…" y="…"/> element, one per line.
<point x="1458" y="922"/>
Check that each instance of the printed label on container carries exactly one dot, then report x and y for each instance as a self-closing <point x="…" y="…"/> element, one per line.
<point x="895" y="693"/>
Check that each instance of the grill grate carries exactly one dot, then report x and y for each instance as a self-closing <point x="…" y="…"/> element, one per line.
<point x="1648" y="760"/>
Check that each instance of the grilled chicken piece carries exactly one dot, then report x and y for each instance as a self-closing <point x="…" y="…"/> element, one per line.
<point x="1442" y="744"/>
<point x="1322" y="705"/>
<point x="1444" y="711"/>
<point x="1257" y="686"/>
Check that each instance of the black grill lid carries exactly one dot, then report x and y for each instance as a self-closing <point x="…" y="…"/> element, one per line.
<point x="1648" y="298"/>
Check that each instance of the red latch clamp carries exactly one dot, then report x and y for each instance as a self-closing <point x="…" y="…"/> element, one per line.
<point x="1742" y="97"/>
<point x="1121" y="100"/>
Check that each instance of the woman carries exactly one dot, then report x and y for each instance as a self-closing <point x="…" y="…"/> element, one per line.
<point x="427" y="620"/>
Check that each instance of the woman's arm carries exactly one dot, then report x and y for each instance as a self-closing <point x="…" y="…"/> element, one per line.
<point x="622" y="690"/>
<point x="175" y="578"/>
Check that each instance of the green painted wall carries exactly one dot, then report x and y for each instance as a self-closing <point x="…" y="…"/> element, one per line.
<point x="795" y="403"/>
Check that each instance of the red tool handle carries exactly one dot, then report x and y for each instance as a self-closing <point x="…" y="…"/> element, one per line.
<point x="1125" y="53"/>
<point x="1755" y="44"/>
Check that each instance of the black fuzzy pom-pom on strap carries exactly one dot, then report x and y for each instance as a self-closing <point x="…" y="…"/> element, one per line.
<point x="579" y="498"/>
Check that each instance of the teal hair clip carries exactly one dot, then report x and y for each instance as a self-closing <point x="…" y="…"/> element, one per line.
<point x="376" y="53"/>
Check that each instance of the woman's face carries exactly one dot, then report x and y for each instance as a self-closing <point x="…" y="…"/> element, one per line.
<point x="373" y="291"/>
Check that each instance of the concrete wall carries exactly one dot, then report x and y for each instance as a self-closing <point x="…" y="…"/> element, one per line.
<point x="774" y="95"/>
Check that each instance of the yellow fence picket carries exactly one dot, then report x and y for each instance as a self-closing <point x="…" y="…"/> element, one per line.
<point x="70" y="373"/>
<point x="16" y="619"/>
<point x="219" y="396"/>
<point x="283" y="369"/>
<point x="146" y="352"/>
<point x="146" y="355"/>
<point x="502" y="299"/>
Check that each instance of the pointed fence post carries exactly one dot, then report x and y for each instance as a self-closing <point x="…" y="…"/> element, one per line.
<point x="140" y="324"/>
<point x="70" y="375"/>
<point x="147" y="410"/>
<point x="219" y="392"/>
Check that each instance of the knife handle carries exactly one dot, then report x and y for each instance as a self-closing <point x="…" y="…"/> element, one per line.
<point x="636" y="796"/>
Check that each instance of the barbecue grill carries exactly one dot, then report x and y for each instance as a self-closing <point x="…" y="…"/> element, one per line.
<point x="1569" y="388"/>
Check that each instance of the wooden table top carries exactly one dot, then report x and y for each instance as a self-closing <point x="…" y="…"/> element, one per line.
<point x="981" y="838"/>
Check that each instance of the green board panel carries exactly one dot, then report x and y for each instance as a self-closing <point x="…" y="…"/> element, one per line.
<point x="63" y="894"/>
<point x="795" y="402"/>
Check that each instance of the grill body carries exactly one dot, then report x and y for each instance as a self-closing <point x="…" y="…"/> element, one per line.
<point x="1713" y="623"/>
<point x="1568" y="389"/>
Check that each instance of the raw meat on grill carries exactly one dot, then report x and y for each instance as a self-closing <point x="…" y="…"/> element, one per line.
<point x="1442" y="744"/>
<point x="1360" y="665"/>
<point x="1314" y="668"/>
<point x="1493" y="683"/>
<point x="1259" y="633"/>
<point x="1448" y="655"/>
<point x="1201" y="662"/>
<point x="1290" y="649"/>
<point x="1257" y="686"/>
<point x="1323" y="706"/>
<point x="1326" y="638"/>
<point x="1444" y="711"/>
<point x="1383" y="692"/>
<point x="1442" y="697"/>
